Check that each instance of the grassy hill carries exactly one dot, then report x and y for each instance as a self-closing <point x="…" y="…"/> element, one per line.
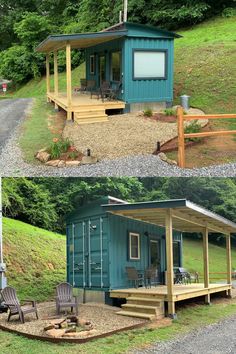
<point x="205" y="67"/>
<point x="36" y="259"/>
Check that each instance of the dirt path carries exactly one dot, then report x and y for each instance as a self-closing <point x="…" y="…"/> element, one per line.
<point x="214" y="339"/>
<point x="11" y="112"/>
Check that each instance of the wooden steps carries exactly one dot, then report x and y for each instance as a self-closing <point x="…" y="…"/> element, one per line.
<point x="90" y="115"/>
<point x="143" y="307"/>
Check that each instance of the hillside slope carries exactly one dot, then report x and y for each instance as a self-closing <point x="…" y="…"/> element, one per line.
<point x="36" y="259"/>
<point x="205" y="67"/>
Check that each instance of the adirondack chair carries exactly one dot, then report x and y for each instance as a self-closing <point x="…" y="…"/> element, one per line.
<point x="11" y="301"/>
<point x="65" y="298"/>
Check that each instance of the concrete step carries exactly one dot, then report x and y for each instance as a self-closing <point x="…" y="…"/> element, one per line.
<point x="136" y="314"/>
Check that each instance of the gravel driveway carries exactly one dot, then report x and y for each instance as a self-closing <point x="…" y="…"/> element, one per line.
<point x="11" y="113"/>
<point x="214" y="339"/>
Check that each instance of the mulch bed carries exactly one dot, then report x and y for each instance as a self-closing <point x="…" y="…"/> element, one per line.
<point x="160" y="117"/>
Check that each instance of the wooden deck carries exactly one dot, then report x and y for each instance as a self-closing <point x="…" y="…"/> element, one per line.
<point x="181" y="292"/>
<point x="83" y="109"/>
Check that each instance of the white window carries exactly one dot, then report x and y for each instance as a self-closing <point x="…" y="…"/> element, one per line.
<point x="92" y="64"/>
<point x="134" y="246"/>
<point x="150" y="65"/>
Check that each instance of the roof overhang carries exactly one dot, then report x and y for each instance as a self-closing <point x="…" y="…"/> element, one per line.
<point x="186" y="216"/>
<point x="78" y="41"/>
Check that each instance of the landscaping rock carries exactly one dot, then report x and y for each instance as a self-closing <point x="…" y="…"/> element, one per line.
<point x="72" y="335"/>
<point x="163" y="156"/>
<point x="57" y="321"/>
<point x="71" y="330"/>
<point x="43" y="156"/>
<point x="89" y="160"/>
<point x="172" y="162"/>
<point x="56" y="333"/>
<point x="88" y="333"/>
<point x="61" y="164"/>
<point x="72" y="163"/>
<point x="53" y="163"/>
<point x="47" y="328"/>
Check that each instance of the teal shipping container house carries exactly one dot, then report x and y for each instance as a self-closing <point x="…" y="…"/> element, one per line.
<point x="137" y="58"/>
<point x="108" y="235"/>
<point x="101" y="245"/>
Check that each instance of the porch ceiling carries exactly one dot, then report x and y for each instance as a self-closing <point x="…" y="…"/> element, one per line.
<point x="186" y="216"/>
<point x="77" y="41"/>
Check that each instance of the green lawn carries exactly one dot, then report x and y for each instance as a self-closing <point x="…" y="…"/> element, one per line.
<point x="36" y="259"/>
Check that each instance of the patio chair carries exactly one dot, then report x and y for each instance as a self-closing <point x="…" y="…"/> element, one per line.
<point x="151" y="277"/>
<point x="134" y="276"/>
<point x="103" y="90"/>
<point x="11" y="301"/>
<point x="82" y="88"/>
<point x="91" y="85"/>
<point x="65" y="298"/>
<point x="183" y="276"/>
<point x="114" y="93"/>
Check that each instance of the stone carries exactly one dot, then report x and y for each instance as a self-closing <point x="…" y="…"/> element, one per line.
<point x="71" y="330"/>
<point x="72" y="335"/>
<point x="47" y="328"/>
<point x="71" y="324"/>
<point x="82" y="322"/>
<point x="56" y="333"/>
<point x="88" y="327"/>
<point x="57" y="321"/>
<point x="61" y="164"/>
<point x="89" y="160"/>
<point x="72" y="163"/>
<point x="88" y="333"/>
<point x="53" y="163"/>
<point x="43" y="156"/>
<point x="64" y="325"/>
<point x="171" y="162"/>
<point x="163" y="156"/>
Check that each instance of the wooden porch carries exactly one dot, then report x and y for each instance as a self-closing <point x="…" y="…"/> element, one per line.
<point x="82" y="108"/>
<point x="148" y="303"/>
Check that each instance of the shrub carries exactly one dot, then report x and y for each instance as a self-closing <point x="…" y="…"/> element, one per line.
<point x="148" y="112"/>
<point x="59" y="147"/>
<point x="229" y="12"/>
<point x="193" y="127"/>
<point x="170" y="112"/>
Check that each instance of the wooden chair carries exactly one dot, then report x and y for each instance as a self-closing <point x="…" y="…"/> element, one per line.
<point x="134" y="277"/>
<point x="65" y="298"/>
<point x="151" y="277"/>
<point x="11" y="301"/>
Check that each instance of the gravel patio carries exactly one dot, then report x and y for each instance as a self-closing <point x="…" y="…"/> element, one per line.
<point x="103" y="318"/>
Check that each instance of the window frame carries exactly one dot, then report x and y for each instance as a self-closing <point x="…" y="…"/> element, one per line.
<point x="165" y="77"/>
<point x="111" y="72"/>
<point x="131" y="234"/>
<point x="92" y="57"/>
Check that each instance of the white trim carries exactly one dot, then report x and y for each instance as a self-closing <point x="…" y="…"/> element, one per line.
<point x="130" y="236"/>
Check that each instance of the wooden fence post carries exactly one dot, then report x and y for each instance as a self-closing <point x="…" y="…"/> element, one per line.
<point x="181" y="151"/>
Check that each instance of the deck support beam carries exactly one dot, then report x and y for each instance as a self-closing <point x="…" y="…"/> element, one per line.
<point x="68" y="80"/>
<point x="56" y="85"/>
<point x="229" y="263"/>
<point x="48" y="75"/>
<point x="206" y="264"/>
<point x="170" y="264"/>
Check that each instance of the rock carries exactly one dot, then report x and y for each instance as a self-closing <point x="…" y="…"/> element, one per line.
<point x="72" y="324"/>
<point x="56" y="333"/>
<point x="88" y="333"/>
<point x="53" y="163"/>
<point x="47" y="328"/>
<point x="57" y="321"/>
<point x="72" y="335"/>
<point x="43" y="156"/>
<point x="82" y="322"/>
<point x="61" y="164"/>
<point x="171" y="162"/>
<point x="71" y="330"/>
<point x="72" y="163"/>
<point x="88" y="327"/>
<point x="64" y="325"/>
<point x="89" y="160"/>
<point x="163" y="156"/>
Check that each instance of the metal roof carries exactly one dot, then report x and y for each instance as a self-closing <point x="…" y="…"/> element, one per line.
<point x="186" y="216"/>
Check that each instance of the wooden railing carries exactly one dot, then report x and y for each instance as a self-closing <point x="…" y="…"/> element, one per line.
<point x="182" y="136"/>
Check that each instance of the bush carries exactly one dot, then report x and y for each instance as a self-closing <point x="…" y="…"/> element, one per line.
<point x="59" y="147"/>
<point x="148" y="112"/>
<point x="229" y="12"/>
<point x="170" y="112"/>
<point x="193" y="127"/>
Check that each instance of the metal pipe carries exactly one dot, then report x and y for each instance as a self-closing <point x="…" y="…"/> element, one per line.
<point x="84" y="255"/>
<point x="125" y="10"/>
<point x="101" y="247"/>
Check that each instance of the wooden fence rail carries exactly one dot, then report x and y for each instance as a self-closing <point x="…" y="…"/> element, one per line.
<point x="182" y="136"/>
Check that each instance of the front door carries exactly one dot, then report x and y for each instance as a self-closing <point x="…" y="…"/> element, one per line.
<point x="155" y="257"/>
<point x="102" y="69"/>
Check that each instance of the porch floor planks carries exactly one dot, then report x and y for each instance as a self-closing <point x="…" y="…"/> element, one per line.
<point x="181" y="292"/>
<point x="85" y="109"/>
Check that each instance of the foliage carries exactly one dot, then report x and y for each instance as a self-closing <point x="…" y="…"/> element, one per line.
<point x="193" y="127"/>
<point x="59" y="146"/>
<point x="229" y="12"/>
<point x="170" y="112"/>
<point x="148" y="112"/>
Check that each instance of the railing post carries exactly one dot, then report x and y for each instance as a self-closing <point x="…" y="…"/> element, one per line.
<point x="181" y="151"/>
<point x="229" y="262"/>
<point x="68" y="80"/>
<point x="48" y="74"/>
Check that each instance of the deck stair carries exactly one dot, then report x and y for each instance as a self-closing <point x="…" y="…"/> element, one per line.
<point x="86" y="115"/>
<point x="143" y="307"/>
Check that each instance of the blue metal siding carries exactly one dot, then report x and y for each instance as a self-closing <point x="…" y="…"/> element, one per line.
<point x="148" y="90"/>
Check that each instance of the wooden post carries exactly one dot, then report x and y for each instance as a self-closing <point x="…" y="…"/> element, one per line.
<point x="56" y="91"/>
<point x="170" y="264"/>
<point x="68" y="80"/>
<point x="229" y="262"/>
<point x="48" y="74"/>
<point x="206" y="264"/>
<point x="181" y="150"/>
